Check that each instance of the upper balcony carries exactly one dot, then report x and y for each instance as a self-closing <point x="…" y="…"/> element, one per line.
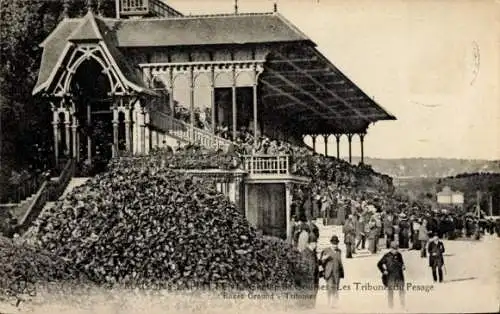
<point x="270" y="168"/>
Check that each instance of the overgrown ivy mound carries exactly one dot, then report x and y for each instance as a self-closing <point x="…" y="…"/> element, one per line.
<point x="23" y="266"/>
<point x="151" y="227"/>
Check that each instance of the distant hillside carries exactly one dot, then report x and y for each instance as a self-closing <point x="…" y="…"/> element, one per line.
<point x="430" y="167"/>
<point x="425" y="189"/>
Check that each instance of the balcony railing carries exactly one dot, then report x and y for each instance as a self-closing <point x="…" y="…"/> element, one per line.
<point x="267" y="164"/>
<point x="188" y="132"/>
<point x="134" y="7"/>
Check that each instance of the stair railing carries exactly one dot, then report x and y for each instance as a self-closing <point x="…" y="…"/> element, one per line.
<point x="187" y="132"/>
<point x="49" y="191"/>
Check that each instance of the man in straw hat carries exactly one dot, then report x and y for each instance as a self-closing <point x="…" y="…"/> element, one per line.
<point x="331" y="260"/>
<point x="392" y="266"/>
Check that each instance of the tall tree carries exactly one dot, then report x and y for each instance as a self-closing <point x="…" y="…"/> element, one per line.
<point x="25" y="120"/>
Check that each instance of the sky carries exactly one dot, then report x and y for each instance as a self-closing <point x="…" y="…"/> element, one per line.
<point x="435" y="65"/>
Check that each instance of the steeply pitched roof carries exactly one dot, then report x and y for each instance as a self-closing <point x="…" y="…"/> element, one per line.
<point x="205" y="30"/>
<point x="133" y="75"/>
<point x="87" y="28"/>
<point x="53" y="48"/>
<point x="174" y="31"/>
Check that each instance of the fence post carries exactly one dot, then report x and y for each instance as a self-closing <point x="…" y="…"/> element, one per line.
<point x="287" y="165"/>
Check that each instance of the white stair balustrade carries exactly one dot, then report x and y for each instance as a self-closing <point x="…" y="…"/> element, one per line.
<point x="187" y="132"/>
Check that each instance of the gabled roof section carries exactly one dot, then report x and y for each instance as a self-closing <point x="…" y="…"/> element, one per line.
<point x="54" y="49"/>
<point x="129" y="74"/>
<point x="88" y="29"/>
<point x="205" y="30"/>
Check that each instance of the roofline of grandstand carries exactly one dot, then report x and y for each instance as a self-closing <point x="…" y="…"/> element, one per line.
<point x="186" y="17"/>
<point x="390" y="116"/>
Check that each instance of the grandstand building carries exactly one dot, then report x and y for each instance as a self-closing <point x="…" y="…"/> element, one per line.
<point x="150" y="77"/>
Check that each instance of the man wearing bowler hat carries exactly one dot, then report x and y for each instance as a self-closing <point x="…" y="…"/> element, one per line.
<point x="331" y="260"/>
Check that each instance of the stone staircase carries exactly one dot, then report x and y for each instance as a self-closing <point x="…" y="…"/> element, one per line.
<point x="75" y="182"/>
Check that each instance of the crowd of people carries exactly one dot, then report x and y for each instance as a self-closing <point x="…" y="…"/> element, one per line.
<point x="370" y="228"/>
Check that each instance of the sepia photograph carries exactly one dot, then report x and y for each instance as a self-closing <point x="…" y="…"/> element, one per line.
<point x="249" y="156"/>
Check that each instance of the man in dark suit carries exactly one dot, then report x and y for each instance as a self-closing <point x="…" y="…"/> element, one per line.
<point x="436" y="260"/>
<point x="331" y="260"/>
<point x="311" y="278"/>
<point x="349" y="230"/>
<point x="312" y="226"/>
<point x="392" y="266"/>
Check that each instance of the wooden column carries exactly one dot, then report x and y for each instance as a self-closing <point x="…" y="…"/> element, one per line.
<point x="212" y="95"/>
<point x="337" y="138"/>
<point x="147" y="133"/>
<point x="288" y="206"/>
<point x="77" y="143"/>
<point x="67" y="132"/>
<point x="171" y="90"/>
<point x="115" y="132"/>
<point x="255" y="109"/>
<point x="89" y="139"/>
<point x="325" y="137"/>
<point x="74" y="127"/>
<point x="191" y="101"/>
<point x="234" y="103"/>
<point x="55" y="124"/>
<point x="126" y="120"/>
<point x="349" y="138"/>
<point x="246" y="199"/>
<point x="362" y="140"/>
<point x="142" y="135"/>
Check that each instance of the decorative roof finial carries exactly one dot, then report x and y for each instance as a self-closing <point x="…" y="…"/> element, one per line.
<point x="275" y="7"/>
<point x="235" y="6"/>
<point x="65" y="12"/>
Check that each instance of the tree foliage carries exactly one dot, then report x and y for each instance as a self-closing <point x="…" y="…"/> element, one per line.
<point x="471" y="183"/>
<point x="26" y="132"/>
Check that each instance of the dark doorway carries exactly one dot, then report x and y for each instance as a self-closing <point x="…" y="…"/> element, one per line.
<point x="224" y="110"/>
<point x="244" y="105"/>
<point x="90" y="88"/>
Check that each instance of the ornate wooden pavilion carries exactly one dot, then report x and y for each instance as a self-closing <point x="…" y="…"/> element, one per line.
<point x="118" y="83"/>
